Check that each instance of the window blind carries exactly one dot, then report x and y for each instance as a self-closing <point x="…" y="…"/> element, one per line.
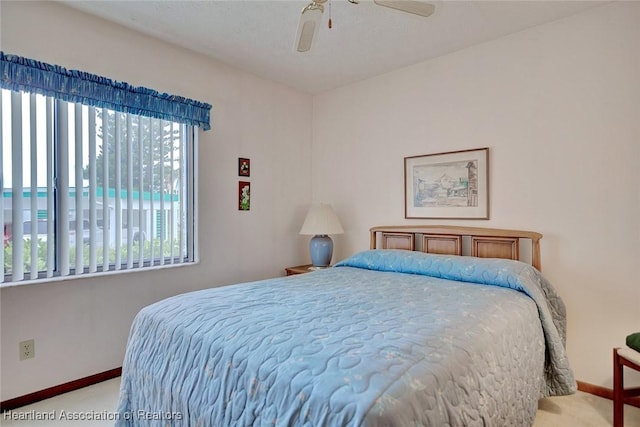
<point x="97" y="175"/>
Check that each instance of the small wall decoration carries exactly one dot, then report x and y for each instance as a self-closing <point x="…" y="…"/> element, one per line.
<point x="244" y="167"/>
<point x="244" y="195"/>
<point x="447" y="185"/>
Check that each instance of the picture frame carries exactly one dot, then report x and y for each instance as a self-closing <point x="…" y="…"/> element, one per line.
<point x="450" y="185"/>
<point x="244" y="167"/>
<point x="244" y="195"/>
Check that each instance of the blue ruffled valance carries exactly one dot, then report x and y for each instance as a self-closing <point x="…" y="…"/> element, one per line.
<point x="24" y="74"/>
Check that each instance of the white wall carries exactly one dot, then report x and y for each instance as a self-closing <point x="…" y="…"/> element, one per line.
<point x="559" y="107"/>
<point x="80" y="326"/>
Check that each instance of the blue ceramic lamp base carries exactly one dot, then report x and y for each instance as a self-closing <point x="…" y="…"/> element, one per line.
<point x="321" y="250"/>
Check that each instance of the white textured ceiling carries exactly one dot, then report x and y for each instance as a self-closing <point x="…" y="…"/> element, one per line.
<point x="366" y="39"/>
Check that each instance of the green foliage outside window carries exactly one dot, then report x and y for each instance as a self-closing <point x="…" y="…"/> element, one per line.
<point x="42" y="253"/>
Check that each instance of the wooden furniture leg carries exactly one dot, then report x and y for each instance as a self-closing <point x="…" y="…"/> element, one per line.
<point x="630" y="359"/>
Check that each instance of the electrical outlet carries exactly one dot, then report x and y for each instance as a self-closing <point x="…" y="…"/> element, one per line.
<point x="27" y="349"/>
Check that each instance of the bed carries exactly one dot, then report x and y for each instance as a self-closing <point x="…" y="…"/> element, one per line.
<point x="414" y="331"/>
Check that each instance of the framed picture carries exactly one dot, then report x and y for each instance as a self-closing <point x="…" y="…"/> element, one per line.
<point x="447" y="185"/>
<point x="244" y="195"/>
<point x="244" y="167"/>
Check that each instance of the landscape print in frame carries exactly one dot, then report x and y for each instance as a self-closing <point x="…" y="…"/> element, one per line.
<point x="453" y="185"/>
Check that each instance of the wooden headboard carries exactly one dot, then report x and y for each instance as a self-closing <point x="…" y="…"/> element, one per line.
<point x="448" y="240"/>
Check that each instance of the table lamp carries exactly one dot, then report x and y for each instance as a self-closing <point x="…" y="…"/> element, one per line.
<point x="321" y="220"/>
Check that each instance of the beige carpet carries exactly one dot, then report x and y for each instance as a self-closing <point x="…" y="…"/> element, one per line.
<point x="579" y="410"/>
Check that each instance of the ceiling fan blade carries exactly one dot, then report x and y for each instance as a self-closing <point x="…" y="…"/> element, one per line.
<point x="308" y="26"/>
<point x="411" y="6"/>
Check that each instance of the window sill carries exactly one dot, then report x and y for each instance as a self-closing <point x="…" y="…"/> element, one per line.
<point x="6" y="285"/>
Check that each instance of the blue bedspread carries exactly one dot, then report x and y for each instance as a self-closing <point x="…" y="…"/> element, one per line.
<point x="386" y="338"/>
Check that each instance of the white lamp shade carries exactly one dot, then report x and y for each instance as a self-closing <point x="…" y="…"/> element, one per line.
<point x="321" y="219"/>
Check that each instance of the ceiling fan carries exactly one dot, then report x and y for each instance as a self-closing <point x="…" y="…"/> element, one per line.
<point x="312" y="13"/>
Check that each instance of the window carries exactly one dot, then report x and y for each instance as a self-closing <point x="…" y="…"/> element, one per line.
<point x="106" y="189"/>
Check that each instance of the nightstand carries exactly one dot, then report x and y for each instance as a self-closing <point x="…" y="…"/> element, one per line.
<point x="299" y="269"/>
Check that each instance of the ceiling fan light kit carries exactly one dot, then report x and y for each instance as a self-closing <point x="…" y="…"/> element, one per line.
<point x="312" y="14"/>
